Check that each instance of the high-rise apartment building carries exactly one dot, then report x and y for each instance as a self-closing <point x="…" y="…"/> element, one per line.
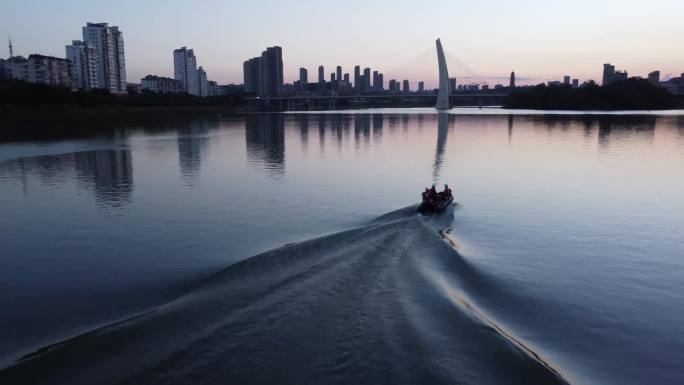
<point x="406" y="87"/>
<point x="357" y="79"/>
<point x="263" y="75"/>
<point x="84" y="63"/>
<point x="452" y="84"/>
<point x="654" y="77"/>
<point x="338" y="73"/>
<point x="111" y="63"/>
<point x="252" y="75"/>
<point x="272" y="71"/>
<point x="608" y="73"/>
<point x="185" y="70"/>
<point x="366" y="80"/>
<point x="511" y="83"/>
<point x="202" y="82"/>
<point x="303" y="76"/>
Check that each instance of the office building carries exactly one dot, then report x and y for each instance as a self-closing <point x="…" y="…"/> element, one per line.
<point x="421" y="87"/>
<point x="321" y="74"/>
<point x="575" y="83"/>
<point x="83" y="58"/>
<point x="366" y="80"/>
<point x="566" y="80"/>
<point x="185" y="70"/>
<point x="406" y="87"/>
<point x="160" y="85"/>
<point x="346" y="77"/>
<point x="452" y="84"/>
<point x="111" y="63"/>
<point x="357" y="79"/>
<point x="339" y="73"/>
<point x="511" y="83"/>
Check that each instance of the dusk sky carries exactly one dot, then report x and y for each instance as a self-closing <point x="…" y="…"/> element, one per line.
<point x="539" y="39"/>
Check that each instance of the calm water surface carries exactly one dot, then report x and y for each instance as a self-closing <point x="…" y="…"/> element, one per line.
<point x="562" y="262"/>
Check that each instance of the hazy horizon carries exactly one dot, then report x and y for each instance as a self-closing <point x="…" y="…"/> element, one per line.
<point x="536" y="39"/>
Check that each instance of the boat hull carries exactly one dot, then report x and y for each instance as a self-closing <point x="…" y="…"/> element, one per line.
<point x="435" y="207"/>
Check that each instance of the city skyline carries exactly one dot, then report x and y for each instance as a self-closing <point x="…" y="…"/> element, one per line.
<point x="562" y="41"/>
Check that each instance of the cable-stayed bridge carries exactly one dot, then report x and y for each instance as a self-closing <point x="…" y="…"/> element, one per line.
<point x="442" y="98"/>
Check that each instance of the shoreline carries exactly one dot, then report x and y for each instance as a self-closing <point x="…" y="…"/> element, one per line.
<point x="44" y="122"/>
<point x="20" y="123"/>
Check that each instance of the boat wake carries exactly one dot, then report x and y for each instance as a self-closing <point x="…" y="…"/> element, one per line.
<point x="377" y="304"/>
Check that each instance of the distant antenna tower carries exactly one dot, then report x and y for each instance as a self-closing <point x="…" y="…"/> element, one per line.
<point x="9" y="40"/>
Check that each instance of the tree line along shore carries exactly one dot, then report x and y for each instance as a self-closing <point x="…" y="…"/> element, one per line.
<point x="36" y="110"/>
<point x="630" y="94"/>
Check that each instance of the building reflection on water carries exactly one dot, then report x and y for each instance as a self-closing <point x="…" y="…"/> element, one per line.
<point x="362" y="130"/>
<point x="442" y="133"/>
<point x="321" y="133"/>
<point x="616" y="130"/>
<point x="193" y="144"/>
<point x="107" y="174"/>
<point x="378" y="121"/>
<point x="265" y="140"/>
<point x="303" y="127"/>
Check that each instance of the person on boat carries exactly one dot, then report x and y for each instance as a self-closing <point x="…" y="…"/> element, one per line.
<point x="447" y="191"/>
<point x="426" y="194"/>
<point x="433" y="193"/>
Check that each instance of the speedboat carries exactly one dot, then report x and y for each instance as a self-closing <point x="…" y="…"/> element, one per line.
<point x="436" y="206"/>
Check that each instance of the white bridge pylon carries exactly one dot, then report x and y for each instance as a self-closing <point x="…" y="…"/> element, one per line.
<point x="443" y="102"/>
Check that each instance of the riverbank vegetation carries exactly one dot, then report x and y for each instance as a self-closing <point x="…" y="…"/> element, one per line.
<point x="631" y="94"/>
<point x="34" y="111"/>
<point x="20" y="93"/>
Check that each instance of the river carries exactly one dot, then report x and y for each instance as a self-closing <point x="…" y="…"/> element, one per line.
<point x="285" y="248"/>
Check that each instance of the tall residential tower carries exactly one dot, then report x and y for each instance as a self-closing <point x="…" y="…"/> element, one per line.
<point x="185" y="70"/>
<point x="263" y="75"/>
<point x="111" y="64"/>
<point x="84" y="61"/>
